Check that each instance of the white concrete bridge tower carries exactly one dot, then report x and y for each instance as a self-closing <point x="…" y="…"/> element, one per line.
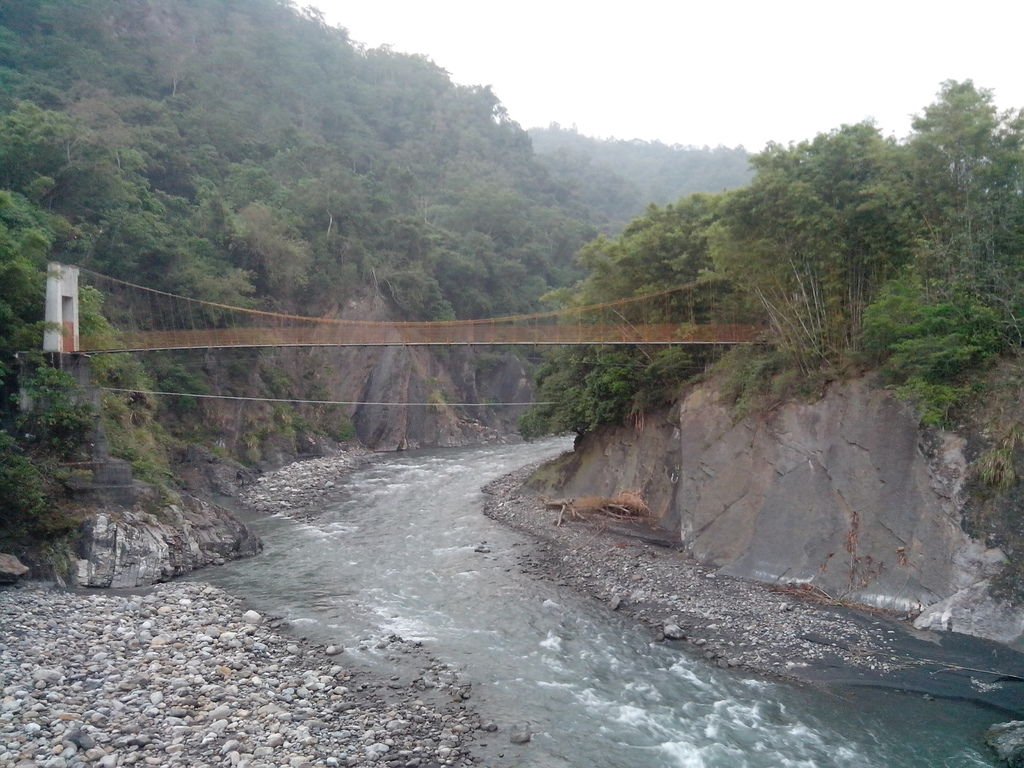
<point x="61" y="333"/>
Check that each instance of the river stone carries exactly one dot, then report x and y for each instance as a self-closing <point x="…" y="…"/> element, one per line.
<point x="252" y="617"/>
<point x="81" y="739"/>
<point x="1007" y="739"/>
<point x="520" y="733"/>
<point x="43" y="674"/>
<point x="673" y="632"/>
<point x="11" y="568"/>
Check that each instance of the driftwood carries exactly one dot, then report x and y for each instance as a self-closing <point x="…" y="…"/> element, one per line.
<point x="626" y="505"/>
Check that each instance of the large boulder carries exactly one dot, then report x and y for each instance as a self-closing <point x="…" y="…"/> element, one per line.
<point x="133" y="547"/>
<point x="11" y="568"/>
<point x="1007" y="739"/>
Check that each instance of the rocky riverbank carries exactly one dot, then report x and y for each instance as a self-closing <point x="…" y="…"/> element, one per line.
<point x="185" y="676"/>
<point x="127" y="547"/>
<point x="301" y="486"/>
<point x="785" y="632"/>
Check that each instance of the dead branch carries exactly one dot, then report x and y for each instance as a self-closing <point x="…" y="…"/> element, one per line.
<point x="626" y="505"/>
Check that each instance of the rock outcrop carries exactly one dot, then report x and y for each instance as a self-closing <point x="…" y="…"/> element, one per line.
<point x="11" y="568"/>
<point x="845" y="493"/>
<point x="206" y="474"/>
<point x="130" y="547"/>
<point x="418" y="376"/>
<point x="1007" y="739"/>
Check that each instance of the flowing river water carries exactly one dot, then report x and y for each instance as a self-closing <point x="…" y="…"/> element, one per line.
<point x="395" y="553"/>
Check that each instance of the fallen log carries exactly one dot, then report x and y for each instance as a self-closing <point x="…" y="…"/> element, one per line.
<point x="625" y="505"/>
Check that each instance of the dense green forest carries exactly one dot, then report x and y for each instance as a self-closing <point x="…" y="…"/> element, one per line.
<point x="246" y="153"/>
<point x="854" y="250"/>
<point x="619" y="178"/>
<point x="233" y="150"/>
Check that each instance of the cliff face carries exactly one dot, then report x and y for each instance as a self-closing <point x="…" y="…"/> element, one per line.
<point x="846" y="494"/>
<point x="398" y="397"/>
<point x="417" y="376"/>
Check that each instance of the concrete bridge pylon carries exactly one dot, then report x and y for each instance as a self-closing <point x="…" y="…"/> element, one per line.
<point x="61" y="331"/>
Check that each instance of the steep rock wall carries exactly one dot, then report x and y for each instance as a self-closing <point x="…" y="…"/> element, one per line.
<point x="409" y="374"/>
<point x="417" y="376"/>
<point x="845" y="494"/>
<point x="381" y="380"/>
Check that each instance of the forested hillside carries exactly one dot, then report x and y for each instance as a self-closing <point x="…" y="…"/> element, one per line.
<point x="852" y="249"/>
<point x="618" y="176"/>
<point x="234" y="150"/>
<point x="245" y="152"/>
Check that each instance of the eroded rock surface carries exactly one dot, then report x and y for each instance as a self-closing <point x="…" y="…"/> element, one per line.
<point x="122" y="547"/>
<point x="11" y="568"/>
<point x="845" y="494"/>
<point x="1007" y="739"/>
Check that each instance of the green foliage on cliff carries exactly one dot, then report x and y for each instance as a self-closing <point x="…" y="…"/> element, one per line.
<point x="853" y="250"/>
<point x="26" y="233"/>
<point x="34" y="456"/>
<point x="929" y="346"/>
<point x="57" y="423"/>
<point x="24" y="496"/>
<point x="590" y="386"/>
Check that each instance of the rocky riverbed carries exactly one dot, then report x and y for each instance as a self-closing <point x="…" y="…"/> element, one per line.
<point x="183" y="675"/>
<point x="300" y="488"/>
<point x="783" y="631"/>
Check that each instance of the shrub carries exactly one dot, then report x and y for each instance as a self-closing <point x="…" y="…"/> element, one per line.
<point x="927" y="346"/>
<point x="58" y="423"/>
<point x="23" y="495"/>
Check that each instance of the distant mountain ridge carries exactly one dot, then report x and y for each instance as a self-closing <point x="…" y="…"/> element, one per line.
<point x="620" y="178"/>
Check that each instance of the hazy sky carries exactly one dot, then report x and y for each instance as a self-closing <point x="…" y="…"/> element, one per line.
<point x="726" y="72"/>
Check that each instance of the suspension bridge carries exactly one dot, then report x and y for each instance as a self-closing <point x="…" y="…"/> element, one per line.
<point x="143" y="319"/>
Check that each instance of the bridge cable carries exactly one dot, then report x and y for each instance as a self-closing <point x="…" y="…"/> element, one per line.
<point x="307" y="402"/>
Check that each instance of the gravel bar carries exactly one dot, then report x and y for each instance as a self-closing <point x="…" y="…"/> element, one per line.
<point x="184" y="676"/>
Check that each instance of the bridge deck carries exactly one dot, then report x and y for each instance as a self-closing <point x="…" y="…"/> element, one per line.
<point x="429" y="334"/>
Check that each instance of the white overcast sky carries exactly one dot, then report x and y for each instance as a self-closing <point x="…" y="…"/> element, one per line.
<point x="718" y="72"/>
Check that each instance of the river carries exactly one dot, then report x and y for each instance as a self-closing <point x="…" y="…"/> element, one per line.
<point x="396" y="553"/>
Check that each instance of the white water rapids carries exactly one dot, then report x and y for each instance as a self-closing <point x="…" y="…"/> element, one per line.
<point x="396" y="554"/>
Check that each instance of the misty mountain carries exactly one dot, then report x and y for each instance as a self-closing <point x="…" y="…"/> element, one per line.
<point x="620" y="178"/>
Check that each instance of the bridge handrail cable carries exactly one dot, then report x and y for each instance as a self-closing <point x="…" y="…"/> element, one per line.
<point x="503" y="319"/>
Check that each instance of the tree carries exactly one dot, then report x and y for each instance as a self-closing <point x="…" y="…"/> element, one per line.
<point x="968" y="175"/>
<point x="25" y="240"/>
<point x="820" y="229"/>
